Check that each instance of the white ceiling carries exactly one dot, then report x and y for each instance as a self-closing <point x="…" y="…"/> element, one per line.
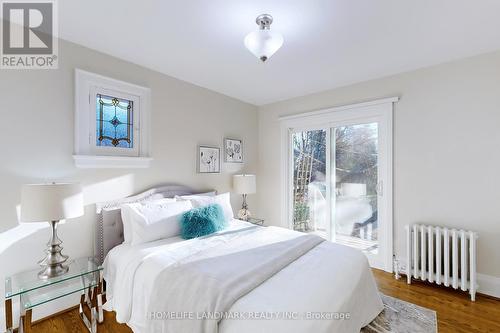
<point x="328" y="43"/>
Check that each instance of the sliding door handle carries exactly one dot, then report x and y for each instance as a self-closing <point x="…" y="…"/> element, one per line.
<point x="380" y="189"/>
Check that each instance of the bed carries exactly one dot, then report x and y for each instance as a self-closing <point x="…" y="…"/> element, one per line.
<point x="245" y="278"/>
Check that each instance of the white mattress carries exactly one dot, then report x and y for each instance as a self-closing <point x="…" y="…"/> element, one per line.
<point x="330" y="280"/>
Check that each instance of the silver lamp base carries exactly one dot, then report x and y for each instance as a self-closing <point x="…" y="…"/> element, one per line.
<point x="53" y="263"/>
<point x="244" y="214"/>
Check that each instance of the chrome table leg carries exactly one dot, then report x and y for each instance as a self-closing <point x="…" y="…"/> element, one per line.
<point x="87" y="300"/>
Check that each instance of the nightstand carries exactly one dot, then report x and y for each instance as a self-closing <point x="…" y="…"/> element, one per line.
<point x="84" y="277"/>
<point x="255" y="220"/>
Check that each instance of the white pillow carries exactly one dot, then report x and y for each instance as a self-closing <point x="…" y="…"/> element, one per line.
<point x="222" y="199"/>
<point x="159" y="201"/>
<point x="157" y="221"/>
<point x="127" y="217"/>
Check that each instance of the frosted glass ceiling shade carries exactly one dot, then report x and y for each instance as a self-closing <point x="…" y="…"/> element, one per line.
<point x="51" y="202"/>
<point x="245" y="184"/>
<point x="263" y="43"/>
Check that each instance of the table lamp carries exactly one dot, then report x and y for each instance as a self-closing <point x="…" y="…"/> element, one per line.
<point x="244" y="185"/>
<point x="52" y="203"/>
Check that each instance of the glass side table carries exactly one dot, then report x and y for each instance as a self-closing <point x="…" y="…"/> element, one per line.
<point x="84" y="277"/>
<point x="255" y="220"/>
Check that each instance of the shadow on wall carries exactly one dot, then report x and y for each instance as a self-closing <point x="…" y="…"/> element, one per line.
<point x="118" y="187"/>
<point x="22" y="246"/>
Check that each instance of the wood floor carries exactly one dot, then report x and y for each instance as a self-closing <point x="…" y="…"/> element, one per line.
<point x="455" y="312"/>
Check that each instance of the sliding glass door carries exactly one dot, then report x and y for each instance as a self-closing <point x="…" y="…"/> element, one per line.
<point x="310" y="165"/>
<point x="356" y="179"/>
<point x="336" y="175"/>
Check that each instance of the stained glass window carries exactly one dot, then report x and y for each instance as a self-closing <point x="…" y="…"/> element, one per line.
<point x="114" y="122"/>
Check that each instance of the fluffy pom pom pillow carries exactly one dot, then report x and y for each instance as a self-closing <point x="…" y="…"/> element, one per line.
<point x="224" y="200"/>
<point x="202" y="221"/>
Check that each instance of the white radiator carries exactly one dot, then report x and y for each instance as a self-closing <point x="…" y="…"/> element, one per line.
<point x="442" y="256"/>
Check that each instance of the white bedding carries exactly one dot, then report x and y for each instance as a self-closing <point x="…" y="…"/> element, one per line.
<point x="328" y="281"/>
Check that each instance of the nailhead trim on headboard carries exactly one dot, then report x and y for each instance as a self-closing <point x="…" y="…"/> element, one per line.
<point x="100" y="239"/>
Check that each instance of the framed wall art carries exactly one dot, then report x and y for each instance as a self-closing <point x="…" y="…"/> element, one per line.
<point x="233" y="151"/>
<point x="208" y="159"/>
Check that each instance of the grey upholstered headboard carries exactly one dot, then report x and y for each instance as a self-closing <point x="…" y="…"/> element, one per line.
<point x="109" y="225"/>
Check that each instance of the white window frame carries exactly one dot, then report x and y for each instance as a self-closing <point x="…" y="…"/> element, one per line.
<point x="378" y="110"/>
<point x="87" y="153"/>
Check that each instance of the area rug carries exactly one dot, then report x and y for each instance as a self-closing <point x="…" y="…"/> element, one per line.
<point x="402" y="317"/>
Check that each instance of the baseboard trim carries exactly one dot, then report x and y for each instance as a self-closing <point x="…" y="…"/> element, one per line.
<point x="488" y="285"/>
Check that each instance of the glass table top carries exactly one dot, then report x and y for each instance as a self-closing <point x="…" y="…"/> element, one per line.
<point x="255" y="220"/>
<point x="82" y="268"/>
<point x="54" y="291"/>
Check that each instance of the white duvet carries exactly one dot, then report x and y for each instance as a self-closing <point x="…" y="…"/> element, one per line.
<point x="330" y="288"/>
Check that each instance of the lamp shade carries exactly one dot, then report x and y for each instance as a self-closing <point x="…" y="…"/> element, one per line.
<point x="245" y="184"/>
<point x="51" y="202"/>
<point x="263" y="43"/>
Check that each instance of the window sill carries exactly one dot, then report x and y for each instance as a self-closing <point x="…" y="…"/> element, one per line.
<point x="114" y="162"/>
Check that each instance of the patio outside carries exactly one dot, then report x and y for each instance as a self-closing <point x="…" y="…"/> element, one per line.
<point x="354" y="197"/>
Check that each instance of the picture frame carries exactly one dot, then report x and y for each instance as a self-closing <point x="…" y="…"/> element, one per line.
<point x="209" y="159"/>
<point x="233" y="150"/>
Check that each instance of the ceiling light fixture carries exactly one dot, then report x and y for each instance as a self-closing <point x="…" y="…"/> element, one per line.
<point x="263" y="43"/>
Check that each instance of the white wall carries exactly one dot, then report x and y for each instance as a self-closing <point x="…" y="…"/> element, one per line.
<point x="36" y="132"/>
<point x="446" y="148"/>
